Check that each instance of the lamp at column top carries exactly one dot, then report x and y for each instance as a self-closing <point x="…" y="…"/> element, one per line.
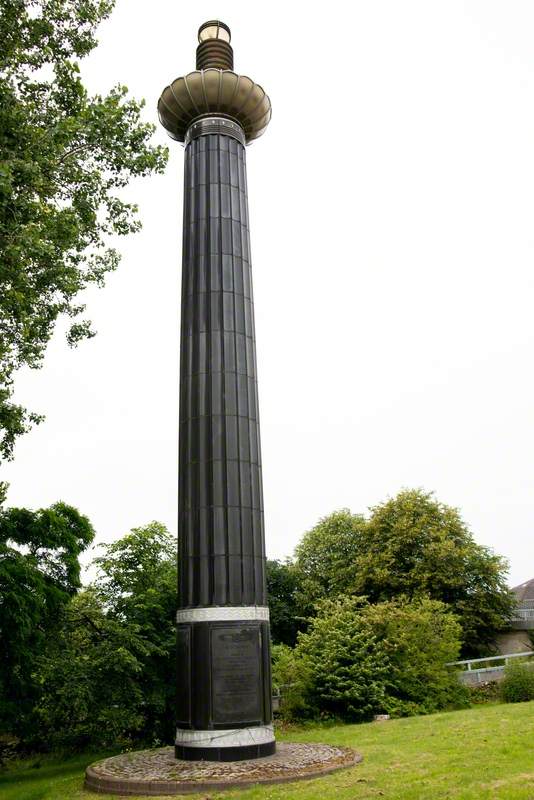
<point x="214" y="89"/>
<point x="214" y="49"/>
<point x="214" y="29"/>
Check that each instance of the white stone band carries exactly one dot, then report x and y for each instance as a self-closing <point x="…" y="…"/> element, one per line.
<point x="223" y="614"/>
<point x="236" y="737"/>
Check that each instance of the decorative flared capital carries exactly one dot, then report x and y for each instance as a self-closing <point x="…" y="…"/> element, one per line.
<point x="214" y="89"/>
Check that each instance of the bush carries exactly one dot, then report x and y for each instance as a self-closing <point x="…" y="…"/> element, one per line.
<point x="291" y="677"/>
<point x="517" y="685"/>
<point x="346" y="664"/>
<point x="419" y="638"/>
<point x="357" y="660"/>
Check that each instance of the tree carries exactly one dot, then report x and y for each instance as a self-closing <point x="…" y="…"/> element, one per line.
<point x="90" y="680"/>
<point x="325" y="558"/>
<point x="39" y="573"/>
<point x="64" y="156"/>
<point x="416" y="546"/>
<point x="137" y="586"/>
<point x="285" y="615"/>
<point x="411" y="546"/>
<point x="106" y="676"/>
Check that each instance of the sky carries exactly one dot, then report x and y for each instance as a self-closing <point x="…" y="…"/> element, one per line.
<point x="392" y="208"/>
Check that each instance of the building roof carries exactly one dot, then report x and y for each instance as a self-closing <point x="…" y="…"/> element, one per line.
<point x="525" y="591"/>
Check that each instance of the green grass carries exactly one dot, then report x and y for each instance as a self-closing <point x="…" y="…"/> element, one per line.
<point x="485" y="752"/>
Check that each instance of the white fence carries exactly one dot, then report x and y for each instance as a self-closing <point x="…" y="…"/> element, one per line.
<point x="479" y="670"/>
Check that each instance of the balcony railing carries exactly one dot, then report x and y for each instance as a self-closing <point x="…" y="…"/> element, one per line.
<point x="523" y="614"/>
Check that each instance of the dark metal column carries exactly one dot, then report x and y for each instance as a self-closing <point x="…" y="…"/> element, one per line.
<point x="223" y="662"/>
<point x="220" y="503"/>
<point x="224" y="682"/>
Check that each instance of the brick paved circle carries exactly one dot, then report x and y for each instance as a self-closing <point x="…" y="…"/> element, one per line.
<point x="158" y="772"/>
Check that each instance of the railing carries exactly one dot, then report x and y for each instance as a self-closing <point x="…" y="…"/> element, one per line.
<point x="491" y="664"/>
<point x="523" y="613"/>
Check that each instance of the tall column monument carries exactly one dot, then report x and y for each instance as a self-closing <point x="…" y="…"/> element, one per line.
<point x="224" y="683"/>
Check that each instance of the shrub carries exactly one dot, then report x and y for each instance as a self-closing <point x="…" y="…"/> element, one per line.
<point x="517" y="685"/>
<point x="357" y="660"/>
<point x="419" y="638"/>
<point x="291" y="677"/>
<point x="347" y="665"/>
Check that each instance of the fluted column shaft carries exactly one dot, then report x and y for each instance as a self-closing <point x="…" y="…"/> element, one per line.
<point x="222" y="548"/>
<point x="223" y="631"/>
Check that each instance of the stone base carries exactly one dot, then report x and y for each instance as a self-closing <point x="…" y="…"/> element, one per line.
<point x="158" y="772"/>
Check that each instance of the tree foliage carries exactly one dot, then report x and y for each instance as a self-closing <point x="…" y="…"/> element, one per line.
<point x="89" y="677"/>
<point x="410" y="546"/>
<point x="359" y="659"/>
<point x="39" y="573"/>
<point x="517" y="685"/>
<point x="292" y="679"/>
<point x="416" y="546"/>
<point x="94" y="668"/>
<point x="64" y="157"/>
<point x="346" y="662"/>
<point x="326" y="556"/>
<point x="137" y="584"/>
<point x="284" y="609"/>
<point x="419" y="638"/>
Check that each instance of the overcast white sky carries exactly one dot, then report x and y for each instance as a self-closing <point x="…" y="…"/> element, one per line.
<point x="392" y="213"/>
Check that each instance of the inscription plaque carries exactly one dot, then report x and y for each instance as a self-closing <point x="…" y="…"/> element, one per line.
<point x="236" y="674"/>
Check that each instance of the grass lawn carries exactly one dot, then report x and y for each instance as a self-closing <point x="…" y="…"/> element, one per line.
<point x="485" y="752"/>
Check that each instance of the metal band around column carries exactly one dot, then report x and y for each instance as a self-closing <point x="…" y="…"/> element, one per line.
<point x="223" y="614"/>
<point x="235" y="737"/>
<point x="203" y="126"/>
